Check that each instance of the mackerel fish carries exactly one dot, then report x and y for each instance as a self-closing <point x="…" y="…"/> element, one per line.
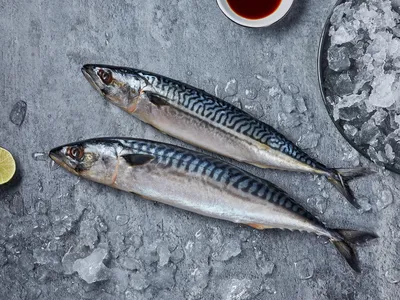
<point x="197" y="183"/>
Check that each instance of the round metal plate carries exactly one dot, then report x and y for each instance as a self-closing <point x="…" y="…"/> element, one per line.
<point x="322" y="65"/>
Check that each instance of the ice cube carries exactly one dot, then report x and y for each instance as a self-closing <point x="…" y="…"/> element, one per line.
<point x="269" y="81"/>
<point x="351" y="100"/>
<point x="134" y="237"/>
<point x="88" y="235"/>
<point x="101" y="225"/>
<point x="356" y="51"/>
<point x="304" y="268"/>
<point x="344" y="84"/>
<point x="269" y="287"/>
<point x="122" y="219"/>
<point x="347" y="113"/>
<point x="266" y="267"/>
<point x="379" y="116"/>
<point x="375" y="156"/>
<point x="378" y="48"/>
<point x="393" y="48"/>
<point x="163" y="254"/>
<point x="339" y="12"/>
<point x="288" y="104"/>
<point x="236" y="289"/>
<point x="345" y="33"/>
<point x="367" y="133"/>
<point x="138" y="281"/>
<point x="68" y="261"/>
<point x="350" y="130"/>
<point x="254" y="108"/>
<point x="177" y="255"/>
<point x="198" y="281"/>
<point x="275" y="92"/>
<point x="293" y="89"/>
<point x="119" y="281"/>
<point x="16" y="204"/>
<point x="301" y="104"/>
<point x="129" y="262"/>
<point x="366" y="15"/>
<point x="231" y="248"/>
<point x="309" y="140"/>
<point x="390" y="155"/>
<point x="382" y="94"/>
<point x="251" y="94"/>
<point x="364" y="203"/>
<point x="319" y="202"/>
<point x="231" y="88"/>
<point x="18" y="112"/>
<point x="48" y="258"/>
<point x="148" y="253"/>
<point x="39" y="156"/>
<point x="396" y="31"/>
<point x="116" y="240"/>
<point x="91" y="268"/>
<point x="62" y="223"/>
<point x="289" y="120"/>
<point x="338" y="58"/>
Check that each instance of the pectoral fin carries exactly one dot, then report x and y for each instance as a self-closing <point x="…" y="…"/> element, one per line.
<point x="138" y="159"/>
<point x="157" y="100"/>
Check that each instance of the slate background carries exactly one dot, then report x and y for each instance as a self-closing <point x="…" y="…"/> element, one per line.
<point x="45" y="212"/>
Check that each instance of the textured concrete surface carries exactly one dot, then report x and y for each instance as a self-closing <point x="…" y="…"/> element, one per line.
<point x="142" y="250"/>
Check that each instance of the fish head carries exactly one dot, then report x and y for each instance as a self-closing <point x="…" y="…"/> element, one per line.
<point x="96" y="160"/>
<point x="121" y="86"/>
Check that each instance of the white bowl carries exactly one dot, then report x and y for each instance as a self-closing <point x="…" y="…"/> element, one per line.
<point x="281" y="11"/>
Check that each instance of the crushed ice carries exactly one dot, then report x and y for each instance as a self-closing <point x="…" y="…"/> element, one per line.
<point x="362" y="75"/>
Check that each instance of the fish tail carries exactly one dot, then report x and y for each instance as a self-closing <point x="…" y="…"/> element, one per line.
<point x="340" y="178"/>
<point x="344" y="240"/>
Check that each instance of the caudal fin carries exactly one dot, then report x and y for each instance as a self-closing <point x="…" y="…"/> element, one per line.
<point x="340" y="178"/>
<point x="344" y="242"/>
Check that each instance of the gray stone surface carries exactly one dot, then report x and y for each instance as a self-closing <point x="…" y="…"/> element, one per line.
<point x="49" y="219"/>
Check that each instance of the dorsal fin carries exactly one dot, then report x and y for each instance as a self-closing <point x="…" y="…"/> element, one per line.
<point x="156" y="99"/>
<point x="138" y="159"/>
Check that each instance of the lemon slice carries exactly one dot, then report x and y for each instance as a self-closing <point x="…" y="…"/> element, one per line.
<point x="7" y="166"/>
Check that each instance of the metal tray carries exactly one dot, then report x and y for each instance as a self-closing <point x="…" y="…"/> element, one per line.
<point x="322" y="64"/>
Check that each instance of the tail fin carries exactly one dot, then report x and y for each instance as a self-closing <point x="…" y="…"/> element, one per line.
<point x="340" y="178"/>
<point x="344" y="241"/>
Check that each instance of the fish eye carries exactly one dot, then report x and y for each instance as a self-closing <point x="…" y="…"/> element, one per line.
<point x="75" y="152"/>
<point x="105" y="76"/>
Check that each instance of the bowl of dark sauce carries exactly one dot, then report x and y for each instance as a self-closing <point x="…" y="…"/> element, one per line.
<point x="255" y="13"/>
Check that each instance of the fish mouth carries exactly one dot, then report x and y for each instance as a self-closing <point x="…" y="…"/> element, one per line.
<point x="59" y="158"/>
<point x="90" y="75"/>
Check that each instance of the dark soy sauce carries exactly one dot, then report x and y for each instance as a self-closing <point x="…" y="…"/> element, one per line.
<point x="254" y="9"/>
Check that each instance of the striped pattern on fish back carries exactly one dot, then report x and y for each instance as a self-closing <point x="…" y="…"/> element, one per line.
<point x="221" y="113"/>
<point x="168" y="156"/>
